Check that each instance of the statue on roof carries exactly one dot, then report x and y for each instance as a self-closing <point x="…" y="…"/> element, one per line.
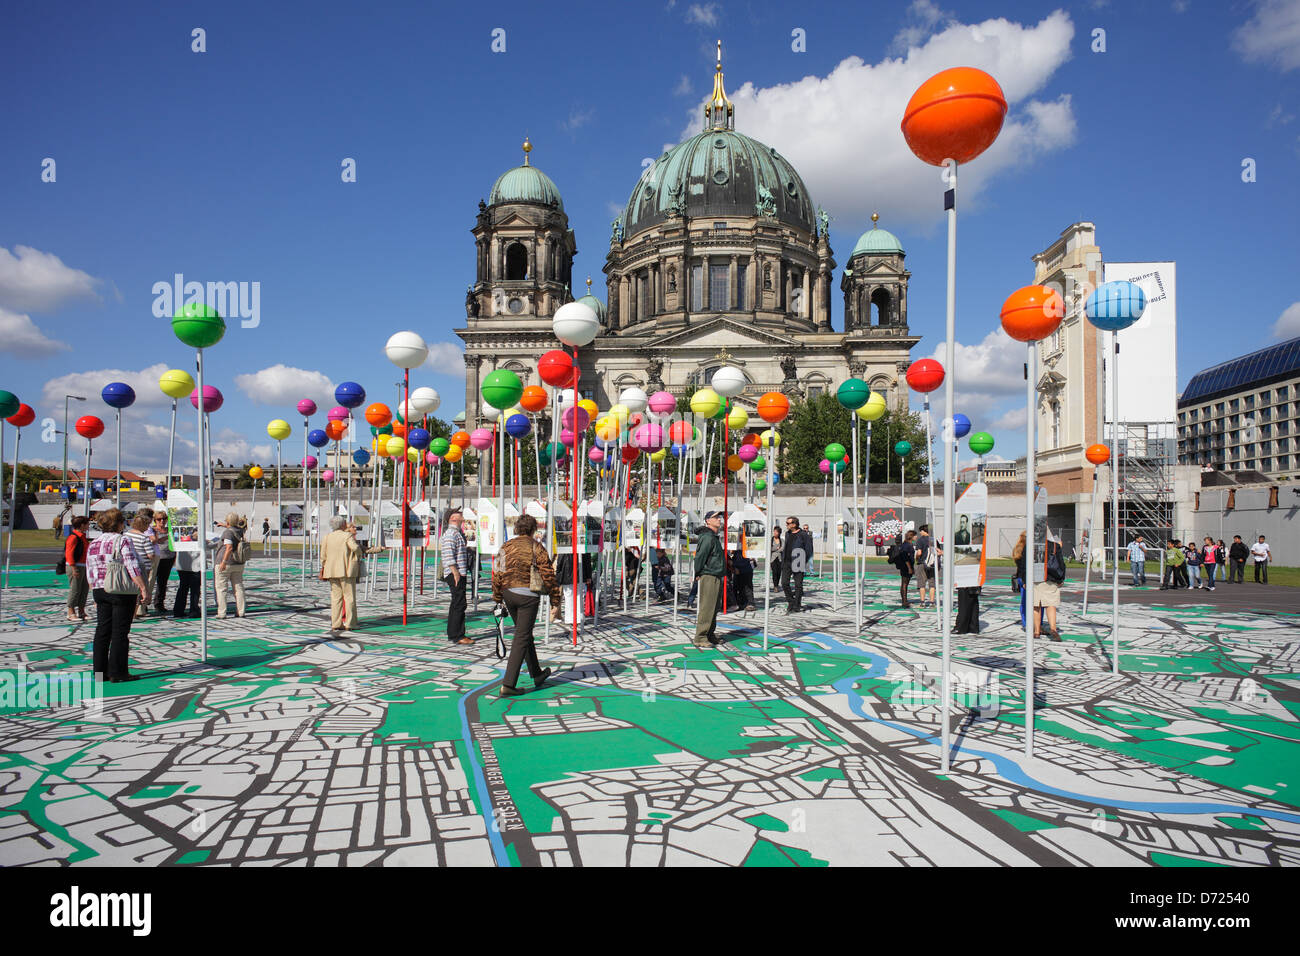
<point x="824" y="219"/>
<point x="766" y="204"/>
<point x="471" y="303"/>
<point x="617" y="234"/>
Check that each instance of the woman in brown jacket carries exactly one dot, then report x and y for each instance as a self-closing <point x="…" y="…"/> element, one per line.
<point x="511" y="572"/>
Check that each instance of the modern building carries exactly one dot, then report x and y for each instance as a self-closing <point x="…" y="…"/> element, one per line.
<point x="719" y="256"/>
<point x="1243" y="415"/>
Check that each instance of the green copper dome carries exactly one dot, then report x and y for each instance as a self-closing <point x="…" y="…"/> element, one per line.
<point x="525" y="184"/>
<point x="596" y="306"/>
<point x="877" y="242"/>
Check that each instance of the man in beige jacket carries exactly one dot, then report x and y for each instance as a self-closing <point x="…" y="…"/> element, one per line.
<point x="340" y="565"/>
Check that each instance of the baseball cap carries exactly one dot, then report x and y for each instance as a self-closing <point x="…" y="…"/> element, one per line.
<point x="713" y="514"/>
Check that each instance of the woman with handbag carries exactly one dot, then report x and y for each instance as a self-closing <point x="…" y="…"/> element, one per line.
<point x="74" y="557"/>
<point x="113" y="572"/>
<point x="1047" y="593"/>
<point x="521" y="574"/>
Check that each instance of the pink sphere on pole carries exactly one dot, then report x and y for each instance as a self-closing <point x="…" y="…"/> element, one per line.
<point x="431" y="458"/>
<point x="649" y="436"/>
<point x="662" y="403"/>
<point x="212" y="398"/>
<point x="338" y="414"/>
<point x="825" y="466"/>
<point x="596" y="456"/>
<point x="575" y="417"/>
<point x="747" y="453"/>
<point x="309" y="462"/>
<point x="567" y="437"/>
<point x="481" y="438"/>
<point x="327" y="475"/>
<point x="306" y="408"/>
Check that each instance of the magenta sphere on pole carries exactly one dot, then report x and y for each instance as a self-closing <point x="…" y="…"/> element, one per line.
<point x="337" y="414"/>
<point x="212" y="398"/>
<point x="748" y="453"/>
<point x="327" y="475"/>
<point x="825" y="466"/>
<point x="575" y="417"/>
<point x="306" y="408"/>
<point x="567" y="437"/>
<point x="309" y="462"/>
<point x="481" y="438"/>
<point x="596" y="456"/>
<point x="650" y="437"/>
<point x="431" y="458"/>
<point x="662" y="403"/>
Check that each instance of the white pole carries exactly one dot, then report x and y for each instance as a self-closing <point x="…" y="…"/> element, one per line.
<point x="857" y="551"/>
<point x="205" y="527"/>
<point x="1030" y="384"/>
<point x="117" y="489"/>
<point x="13" y="495"/>
<point x="949" y="474"/>
<point x="1114" y="500"/>
<point x="1087" y="551"/>
<point x="171" y="447"/>
<point x="771" y="523"/>
<point x="279" y="517"/>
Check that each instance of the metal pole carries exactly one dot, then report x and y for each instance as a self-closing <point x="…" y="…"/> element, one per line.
<point x="949" y="474"/>
<point x="306" y="424"/>
<point x="204" y="528"/>
<point x="13" y="495"/>
<point x="1030" y="610"/>
<point x="771" y="524"/>
<point x="857" y="556"/>
<point x="117" y="488"/>
<point x="171" y="445"/>
<point x="1114" y="500"/>
<point x="279" y="518"/>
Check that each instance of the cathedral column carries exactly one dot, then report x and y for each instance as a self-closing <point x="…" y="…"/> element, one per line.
<point x="733" y="278"/>
<point x="806" y="298"/>
<point x="494" y="259"/>
<point x="788" y="286"/>
<point x="707" y="291"/>
<point x="622" y="302"/>
<point x="543" y="258"/>
<point x="656" y="294"/>
<point x="902" y="305"/>
<point x="752" y="285"/>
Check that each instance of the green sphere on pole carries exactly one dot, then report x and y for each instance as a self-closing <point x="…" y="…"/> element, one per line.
<point x="198" y="326"/>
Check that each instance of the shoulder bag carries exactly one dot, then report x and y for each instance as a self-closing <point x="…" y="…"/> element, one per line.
<point x="535" y="582"/>
<point x="1055" y="564"/>
<point x="117" y="580"/>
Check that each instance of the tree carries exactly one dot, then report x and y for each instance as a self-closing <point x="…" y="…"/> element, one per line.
<point x="30" y="477"/>
<point x="814" y="424"/>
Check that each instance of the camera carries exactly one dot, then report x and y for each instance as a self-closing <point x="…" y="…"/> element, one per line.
<point x="498" y="611"/>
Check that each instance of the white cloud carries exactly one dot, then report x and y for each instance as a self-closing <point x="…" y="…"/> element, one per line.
<point x="20" y="337"/>
<point x="446" y="358"/>
<point x="285" y="385"/>
<point x="577" y="118"/>
<point x="922" y="17"/>
<point x="35" y="281"/>
<point x="990" y="375"/>
<point x="1287" y="325"/>
<point x="91" y="385"/>
<point x="1013" y="419"/>
<point x="842" y="131"/>
<point x="683" y="87"/>
<point x="1272" y="35"/>
<point x="705" y="14"/>
<point x="1278" y="116"/>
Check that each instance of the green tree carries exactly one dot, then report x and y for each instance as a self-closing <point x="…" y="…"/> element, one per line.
<point x="814" y="424"/>
<point x="30" y="477"/>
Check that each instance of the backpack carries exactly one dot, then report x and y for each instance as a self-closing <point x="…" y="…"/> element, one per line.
<point x="891" y="553"/>
<point x="900" y="559"/>
<point x="241" y="551"/>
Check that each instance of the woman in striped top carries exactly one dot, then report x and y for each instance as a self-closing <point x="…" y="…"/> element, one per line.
<point x="142" y="545"/>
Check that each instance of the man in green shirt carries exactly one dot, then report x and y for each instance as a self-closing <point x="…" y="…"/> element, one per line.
<point x="1174" y="559"/>
<point x="710" y="566"/>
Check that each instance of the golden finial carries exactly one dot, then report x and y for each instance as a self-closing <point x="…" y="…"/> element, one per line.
<point x="588" y="285"/>
<point x="528" y="148"/>
<point x="719" y="67"/>
<point x="719" y="113"/>
<point x="875" y="218"/>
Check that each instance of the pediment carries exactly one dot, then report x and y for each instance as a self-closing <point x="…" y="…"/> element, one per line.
<point x="720" y="332"/>
<point x="514" y="219"/>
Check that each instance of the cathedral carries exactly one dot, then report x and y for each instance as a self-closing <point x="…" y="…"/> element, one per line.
<point x="719" y="257"/>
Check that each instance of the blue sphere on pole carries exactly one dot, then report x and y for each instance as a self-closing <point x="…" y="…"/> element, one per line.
<point x="349" y="394"/>
<point x="118" y="395"/>
<point x="361" y="456"/>
<point x="317" y="438"/>
<point x="1114" y="306"/>
<point x="419" y="438"/>
<point x="960" y="425"/>
<point x="517" y="426"/>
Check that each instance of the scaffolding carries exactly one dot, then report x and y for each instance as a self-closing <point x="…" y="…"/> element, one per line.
<point x="1147" y="451"/>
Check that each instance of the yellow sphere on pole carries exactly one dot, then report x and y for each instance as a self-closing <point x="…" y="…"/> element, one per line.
<point x="255" y="472"/>
<point x="176" y="383"/>
<point x="873" y="408"/>
<point x="770" y="438"/>
<point x="277" y="428"/>
<point x="706" y="402"/>
<point x="737" y="418"/>
<point x="395" y="446"/>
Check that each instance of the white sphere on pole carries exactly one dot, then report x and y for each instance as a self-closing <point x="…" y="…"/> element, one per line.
<point x="567" y="398"/>
<point x="490" y="412"/>
<point x="425" y="400"/>
<point x="575" y="324"/>
<point x="728" y="381"/>
<point x="406" y="349"/>
<point x="634" y="398"/>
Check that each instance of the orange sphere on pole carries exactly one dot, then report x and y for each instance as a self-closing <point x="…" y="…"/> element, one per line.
<point x="381" y="447"/>
<point x="1097" y="454"/>
<point x="460" y="440"/>
<point x="735" y="463"/>
<point x="336" y="430"/>
<point x="534" y="399"/>
<point x="378" y="414"/>
<point x="399" y="429"/>
<point x="1032" y="313"/>
<point x="955" y="114"/>
<point x="773" y="407"/>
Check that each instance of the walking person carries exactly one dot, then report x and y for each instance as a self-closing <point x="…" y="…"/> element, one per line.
<point x="710" y="567"/>
<point x="1137" y="556"/>
<point x="521" y="573"/>
<point x="743" y="569"/>
<point x="455" y="566"/>
<point x="1193" y="564"/>
<point x="232" y="553"/>
<point x="1237" y="555"/>
<point x="112" y="569"/>
<point x="1222" y="555"/>
<point x="266" y="534"/>
<point x="164" y="560"/>
<point x="142" y="543"/>
<point x="925" y="563"/>
<point x="794" y="564"/>
<point x="1209" y="561"/>
<point x="777" y="548"/>
<point x="1047" y="592"/>
<point x="340" y="565"/>
<point x="1018" y="580"/>
<point x="1262" y="555"/>
<point x="74" y="556"/>
<point x="905" y="561"/>
<point x="1174" y="561"/>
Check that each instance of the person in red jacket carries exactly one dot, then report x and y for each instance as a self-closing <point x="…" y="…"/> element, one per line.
<point x="74" y="555"/>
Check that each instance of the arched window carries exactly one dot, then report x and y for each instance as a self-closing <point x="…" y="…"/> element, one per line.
<point x="881" y="307"/>
<point x="1056" y="424"/>
<point x="516" y="261"/>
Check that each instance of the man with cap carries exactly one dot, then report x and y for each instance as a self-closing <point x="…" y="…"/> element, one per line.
<point x="710" y="567"/>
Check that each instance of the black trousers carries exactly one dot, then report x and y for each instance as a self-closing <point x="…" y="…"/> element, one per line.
<point x="523" y="611"/>
<point x="1237" y="570"/>
<point x="187" y="593"/>
<point x="112" y="627"/>
<point x="793" y="587"/>
<point x="906" y="580"/>
<point x="456" y="611"/>
<point x="745" y="590"/>
<point x="160" y="587"/>
<point x="1261" y="567"/>
<point x="968" y="611"/>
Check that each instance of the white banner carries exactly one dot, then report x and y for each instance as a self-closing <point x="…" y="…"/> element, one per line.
<point x="970" y="537"/>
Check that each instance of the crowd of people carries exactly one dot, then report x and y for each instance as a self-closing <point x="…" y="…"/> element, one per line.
<point x="1189" y="565"/>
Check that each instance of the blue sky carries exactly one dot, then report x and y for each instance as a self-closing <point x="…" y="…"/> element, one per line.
<point x="225" y="166"/>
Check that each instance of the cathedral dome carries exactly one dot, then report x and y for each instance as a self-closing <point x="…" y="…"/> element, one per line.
<point x="595" y="304"/>
<point x="525" y="184"/>
<point x="878" y="242"/>
<point x="719" y="172"/>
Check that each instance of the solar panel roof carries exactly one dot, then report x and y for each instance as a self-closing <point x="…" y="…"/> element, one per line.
<point x="1276" y="361"/>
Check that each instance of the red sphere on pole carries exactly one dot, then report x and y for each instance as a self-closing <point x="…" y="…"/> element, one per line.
<point x="88" y="426"/>
<point x="555" y="368"/>
<point x="925" y="375"/>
